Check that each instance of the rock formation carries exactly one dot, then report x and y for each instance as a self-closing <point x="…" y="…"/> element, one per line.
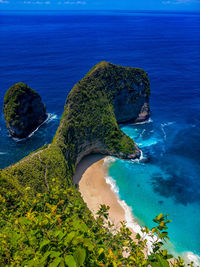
<point x="23" y="110"/>
<point x="107" y="95"/>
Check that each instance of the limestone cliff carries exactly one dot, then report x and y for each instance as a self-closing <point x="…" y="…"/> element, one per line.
<point x="23" y="110"/>
<point x="128" y="88"/>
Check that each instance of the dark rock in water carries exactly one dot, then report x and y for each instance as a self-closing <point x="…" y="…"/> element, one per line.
<point x="23" y="110"/>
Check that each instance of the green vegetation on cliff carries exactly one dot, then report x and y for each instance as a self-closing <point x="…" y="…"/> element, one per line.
<point x="90" y="112"/>
<point x="12" y="101"/>
<point x="43" y="219"/>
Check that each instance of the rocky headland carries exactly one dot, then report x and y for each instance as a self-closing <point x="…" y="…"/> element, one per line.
<point x="106" y="96"/>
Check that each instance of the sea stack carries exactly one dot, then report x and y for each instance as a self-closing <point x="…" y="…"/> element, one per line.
<point x="23" y="110"/>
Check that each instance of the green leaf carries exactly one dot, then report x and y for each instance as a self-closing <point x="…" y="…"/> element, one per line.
<point x="46" y="255"/>
<point x="69" y="238"/>
<point x="57" y="233"/>
<point x="88" y="243"/>
<point x="159" y="216"/>
<point x="69" y="260"/>
<point x="160" y="262"/>
<point x="80" y="255"/>
<point x="34" y="263"/>
<point x="163" y="235"/>
<point x="55" y="262"/>
<point x="24" y="221"/>
<point x="62" y="263"/>
<point x="84" y="227"/>
<point x="100" y="251"/>
<point x="44" y="243"/>
<point x="54" y="254"/>
<point x="164" y="252"/>
<point x="138" y="236"/>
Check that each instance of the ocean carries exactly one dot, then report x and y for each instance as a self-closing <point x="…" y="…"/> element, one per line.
<point x="51" y="51"/>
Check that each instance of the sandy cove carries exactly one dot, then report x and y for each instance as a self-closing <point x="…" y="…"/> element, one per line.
<point x="90" y="176"/>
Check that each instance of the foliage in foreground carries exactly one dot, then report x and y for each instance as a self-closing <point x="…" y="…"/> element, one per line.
<point x="57" y="229"/>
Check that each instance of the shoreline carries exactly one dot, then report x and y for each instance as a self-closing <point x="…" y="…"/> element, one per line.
<point x="97" y="188"/>
<point x="50" y="116"/>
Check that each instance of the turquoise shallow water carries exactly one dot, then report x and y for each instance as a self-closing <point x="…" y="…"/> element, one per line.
<point x="157" y="186"/>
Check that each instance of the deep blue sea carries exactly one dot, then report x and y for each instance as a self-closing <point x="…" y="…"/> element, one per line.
<point x="51" y="51"/>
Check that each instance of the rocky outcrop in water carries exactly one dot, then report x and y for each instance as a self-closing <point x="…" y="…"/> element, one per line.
<point x="23" y="110"/>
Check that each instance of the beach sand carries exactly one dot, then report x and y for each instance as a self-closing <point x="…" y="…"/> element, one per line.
<point x="90" y="177"/>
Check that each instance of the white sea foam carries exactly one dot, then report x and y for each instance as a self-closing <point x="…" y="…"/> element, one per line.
<point x="149" y="142"/>
<point x="3" y="153"/>
<point x="130" y="221"/>
<point x="49" y="118"/>
<point x="112" y="184"/>
<point x="163" y="125"/>
<point x="109" y="159"/>
<point x="142" y="132"/>
<point x="190" y="256"/>
<point x="163" y="130"/>
<point x="132" y="224"/>
<point x="141" y="155"/>
<point x="140" y="158"/>
<point x="144" y="122"/>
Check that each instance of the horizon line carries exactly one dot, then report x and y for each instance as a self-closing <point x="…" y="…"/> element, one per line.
<point x="115" y="10"/>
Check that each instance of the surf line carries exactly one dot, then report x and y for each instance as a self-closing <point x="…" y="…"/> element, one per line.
<point x="50" y="117"/>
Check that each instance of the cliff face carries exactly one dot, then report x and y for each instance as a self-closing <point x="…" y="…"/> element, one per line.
<point x="128" y="89"/>
<point x="23" y="110"/>
<point x="107" y="95"/>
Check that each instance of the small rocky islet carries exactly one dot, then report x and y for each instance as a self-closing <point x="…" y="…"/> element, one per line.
<point x="23" y="110"/>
